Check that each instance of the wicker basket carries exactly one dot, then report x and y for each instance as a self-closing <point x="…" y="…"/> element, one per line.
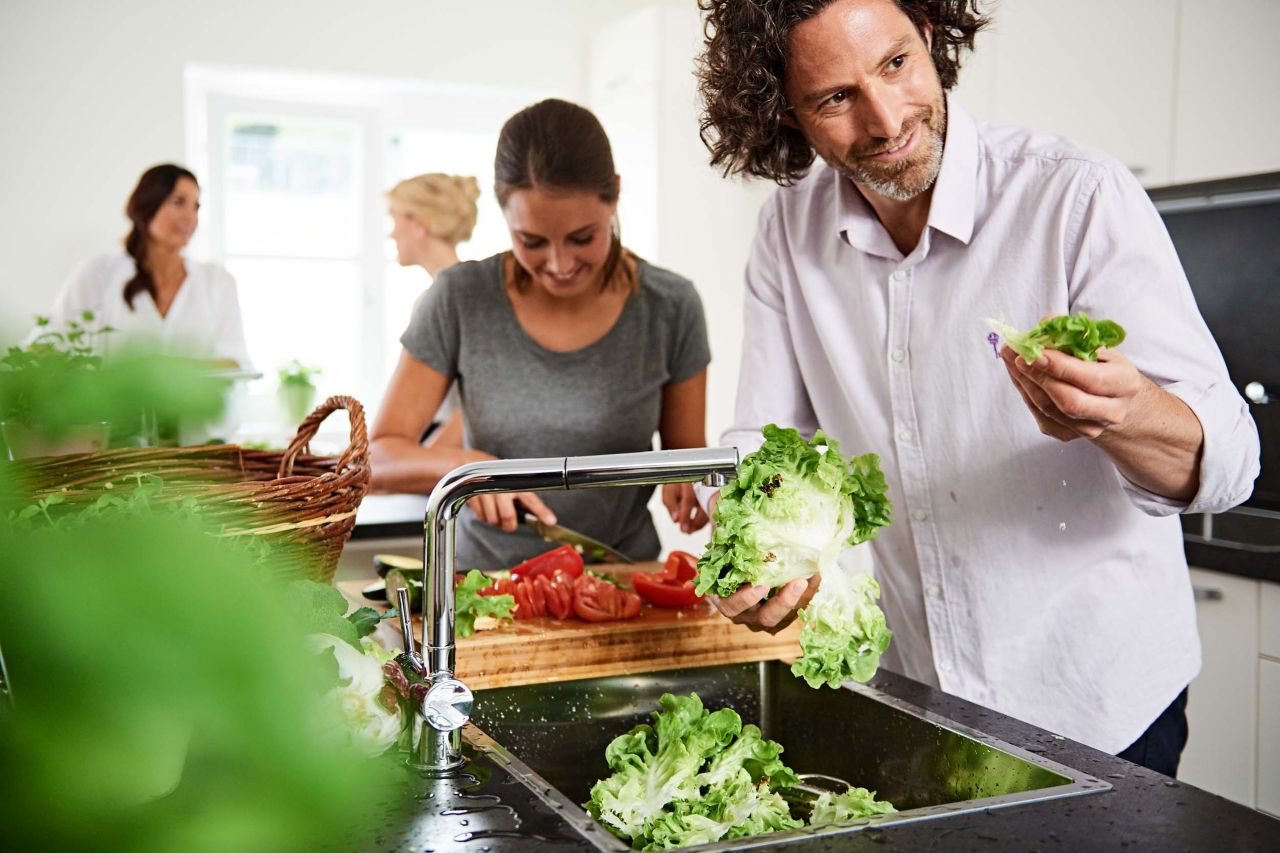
<point x="291" y="498"/>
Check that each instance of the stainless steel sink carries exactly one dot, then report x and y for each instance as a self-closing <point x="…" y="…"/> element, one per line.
<point x="553" y="737"/>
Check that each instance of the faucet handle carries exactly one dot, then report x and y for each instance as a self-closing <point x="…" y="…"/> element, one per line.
<point x="447" y="705"/>
<point x="406" y="628"/>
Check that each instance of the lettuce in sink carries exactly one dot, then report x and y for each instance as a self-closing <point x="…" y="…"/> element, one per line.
<point x="692" y="777"/>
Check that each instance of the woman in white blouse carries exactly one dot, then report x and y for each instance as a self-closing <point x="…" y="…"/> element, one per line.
<point x="150" y="292"/>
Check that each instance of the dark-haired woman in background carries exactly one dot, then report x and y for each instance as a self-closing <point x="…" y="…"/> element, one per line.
<point x="568" y="344"/>
<point x="150" y="292"/>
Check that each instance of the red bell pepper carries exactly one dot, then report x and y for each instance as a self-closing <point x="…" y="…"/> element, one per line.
<point x="563" y="559"/>
<point x="673" y="586"/>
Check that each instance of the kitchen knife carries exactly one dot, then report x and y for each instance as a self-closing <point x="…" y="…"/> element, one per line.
<point x="584" y="545"/>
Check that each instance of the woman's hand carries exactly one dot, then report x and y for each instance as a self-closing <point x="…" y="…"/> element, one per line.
<point x="683" y="507"/>
<point x="501" y="510"/>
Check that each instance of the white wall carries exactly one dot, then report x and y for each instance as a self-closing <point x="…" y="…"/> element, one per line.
<point x="91" y="94"/>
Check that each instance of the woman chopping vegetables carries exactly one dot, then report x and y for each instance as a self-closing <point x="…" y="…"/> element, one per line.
<point x="566" y="345"/>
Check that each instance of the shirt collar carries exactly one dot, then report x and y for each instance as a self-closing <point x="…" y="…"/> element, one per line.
<point x="951" y="210"/>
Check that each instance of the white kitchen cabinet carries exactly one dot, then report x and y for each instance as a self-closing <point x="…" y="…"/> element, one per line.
<point x="1227" y="108"/>
<point x="1222" y="704"/>
<point x="1269" y="736"/>
<point x="1097" y="71"/>
<point x="1269" y="630"/>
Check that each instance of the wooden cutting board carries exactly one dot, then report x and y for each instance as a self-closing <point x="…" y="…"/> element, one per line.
<point x="534" y="651"/>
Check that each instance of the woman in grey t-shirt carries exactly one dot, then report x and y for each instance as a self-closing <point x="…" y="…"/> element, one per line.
<point x="566" y="345"/>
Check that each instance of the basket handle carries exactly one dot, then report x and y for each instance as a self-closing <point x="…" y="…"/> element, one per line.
<point x="357" y="450"/>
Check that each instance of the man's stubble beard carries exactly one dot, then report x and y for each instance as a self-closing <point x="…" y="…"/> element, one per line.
<point x="904" y="180"/>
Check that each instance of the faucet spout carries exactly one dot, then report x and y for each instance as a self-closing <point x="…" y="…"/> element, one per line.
<point x="439" y="742"/>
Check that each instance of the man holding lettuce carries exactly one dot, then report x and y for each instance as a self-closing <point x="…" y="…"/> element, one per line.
<point x="1035" y="562"/>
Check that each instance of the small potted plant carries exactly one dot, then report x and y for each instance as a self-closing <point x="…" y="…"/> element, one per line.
<point x="48" y="361"/>
<point x="297" y="390"/>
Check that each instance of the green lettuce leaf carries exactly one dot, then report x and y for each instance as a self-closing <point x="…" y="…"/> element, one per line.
<point x="1077" y="335"/>
<point x="469" y="603"/>
<point x="844" y="631"/>
<point x="794" y="506"/>
<point x="853" y="804"/>
<point x="692" y="776"/>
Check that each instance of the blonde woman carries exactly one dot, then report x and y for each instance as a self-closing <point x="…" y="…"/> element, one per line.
<point x="433" y="213"/>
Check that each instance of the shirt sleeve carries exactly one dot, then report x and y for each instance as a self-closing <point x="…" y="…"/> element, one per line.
<point x="1126" y="269"/>
<point x="770" y="386"/>
<point x="433" y="335"/>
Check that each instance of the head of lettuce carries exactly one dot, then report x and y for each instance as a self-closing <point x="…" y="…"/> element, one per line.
<point x="793" y="508"/>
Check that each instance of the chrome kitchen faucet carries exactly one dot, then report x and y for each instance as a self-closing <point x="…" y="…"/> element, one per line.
<point x="447" y="705"/>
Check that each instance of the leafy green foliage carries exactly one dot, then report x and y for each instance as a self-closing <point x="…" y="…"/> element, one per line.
<point x="793" y="507"/>
<point x="853" y="804"/>
<point x="1077" y="335"/>
<point x="164" y="697"/>
<point x="844" y="631"/>
<point x="691" y="777"/>
<point x="294" y="372"/>
<point x="470" y="604"/>
<point x="161" y="699"/>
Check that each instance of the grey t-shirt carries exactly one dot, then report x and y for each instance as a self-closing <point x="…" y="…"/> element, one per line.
<point x="520" y="399"/>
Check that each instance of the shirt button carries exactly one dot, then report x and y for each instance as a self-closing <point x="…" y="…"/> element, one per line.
<point x="898" y="275"/>
<point x="935" y="590"/>
<point x="904" y="435"/>
<point x="945" y="666"/>
<point x="898" y="355"/>
<point x="920" y="515"/>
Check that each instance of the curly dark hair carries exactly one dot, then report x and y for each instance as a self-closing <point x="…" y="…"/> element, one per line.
<point x="741" y="71"/>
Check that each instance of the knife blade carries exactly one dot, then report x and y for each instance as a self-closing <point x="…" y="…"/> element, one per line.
<point x="583" y="544"/>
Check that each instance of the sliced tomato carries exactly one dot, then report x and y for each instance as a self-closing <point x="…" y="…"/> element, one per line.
<point x="501" y="586"/>
<point x="596" y="600"/>
<point x="673" y="586"/>
<point x="558" y="592"/>
<point x="563" y="559"/>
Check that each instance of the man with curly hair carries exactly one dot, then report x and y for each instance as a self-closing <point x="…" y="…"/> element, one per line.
<point x="1035" y="564"/>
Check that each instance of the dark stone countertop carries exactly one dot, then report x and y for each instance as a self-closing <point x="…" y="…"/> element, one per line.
<point x="488" y="810"/>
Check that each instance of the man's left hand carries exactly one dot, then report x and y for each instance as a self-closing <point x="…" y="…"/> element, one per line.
<point x="1072" y="398"/>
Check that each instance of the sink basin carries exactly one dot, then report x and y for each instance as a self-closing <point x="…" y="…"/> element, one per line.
<point x="553" y="737"/>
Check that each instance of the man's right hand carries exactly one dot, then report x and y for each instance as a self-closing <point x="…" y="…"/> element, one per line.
<point x="745" y="608"/>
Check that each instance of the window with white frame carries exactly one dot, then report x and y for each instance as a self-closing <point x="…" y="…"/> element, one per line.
<point x="293" y="169"/>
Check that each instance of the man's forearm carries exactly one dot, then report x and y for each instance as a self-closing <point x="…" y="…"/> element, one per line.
<point x="1159" y="446"/>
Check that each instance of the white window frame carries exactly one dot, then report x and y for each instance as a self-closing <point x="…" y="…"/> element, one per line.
<point x="215" y="92"/>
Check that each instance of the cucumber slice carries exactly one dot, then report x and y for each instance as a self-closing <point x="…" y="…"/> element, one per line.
<point x="399" y="579"/>
<point x="383" y="563"/>
<point x="376" y="591"/>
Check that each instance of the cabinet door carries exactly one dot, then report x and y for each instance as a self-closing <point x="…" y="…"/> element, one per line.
<point x="1222" y="703"/>
<point x="1269" y="736"/>
<point x="1096" y="71"/>
<point x="1228" y="110"/>
<point x="1269" y="633"/>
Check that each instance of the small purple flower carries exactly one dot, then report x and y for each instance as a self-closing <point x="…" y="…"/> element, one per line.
<point x="994" y="340"/>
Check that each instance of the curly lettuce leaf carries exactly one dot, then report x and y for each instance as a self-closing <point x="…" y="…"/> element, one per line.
<point x="853" y="804"/>
<point x="1078" y="335"/>
<point x="794" y="506"/>
<point x="691" y="777"/>
<point x="470" y="604"/>
<point x="844" y="631"/>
